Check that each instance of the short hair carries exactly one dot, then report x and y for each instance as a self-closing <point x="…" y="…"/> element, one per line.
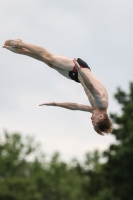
<point x="104" y="126"/>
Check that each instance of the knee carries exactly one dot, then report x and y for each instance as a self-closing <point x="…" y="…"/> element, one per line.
<point x="49" y="58"/>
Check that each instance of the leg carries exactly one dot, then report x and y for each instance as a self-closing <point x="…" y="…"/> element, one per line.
<point x="55" y="60"/>
<point x="63" y="72"/>
<point x="23" y="51"/>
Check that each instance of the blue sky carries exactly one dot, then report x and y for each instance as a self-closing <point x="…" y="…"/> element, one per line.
<point x="100" y="32"/>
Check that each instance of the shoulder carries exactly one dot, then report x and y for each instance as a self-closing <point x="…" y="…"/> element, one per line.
<point x="103" y="103"/>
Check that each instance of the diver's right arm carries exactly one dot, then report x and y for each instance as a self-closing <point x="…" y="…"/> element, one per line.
<point x="70" y="106"/>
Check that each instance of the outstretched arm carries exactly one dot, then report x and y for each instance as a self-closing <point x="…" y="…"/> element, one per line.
<point x="70" y="106"/>
<point x="100" y="101"/>
<point x="86" y="79"/>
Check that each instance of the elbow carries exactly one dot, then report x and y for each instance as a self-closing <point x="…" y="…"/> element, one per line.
<point x="74" y="107"/>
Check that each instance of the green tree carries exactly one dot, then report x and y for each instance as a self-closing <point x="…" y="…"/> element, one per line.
<point x="59" y="181"/>
<point x="90" y="173"/>
<point x="36" y="179"/>
<point x="15" y="180"/>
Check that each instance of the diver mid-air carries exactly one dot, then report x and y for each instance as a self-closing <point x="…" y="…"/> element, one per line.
<point x="78" y="71"/>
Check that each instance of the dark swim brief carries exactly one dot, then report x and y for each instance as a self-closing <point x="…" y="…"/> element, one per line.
<point x="74" y="73"/>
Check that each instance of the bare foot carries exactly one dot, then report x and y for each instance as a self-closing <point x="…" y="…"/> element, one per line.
<point x="13" y="43"/>
<point x="14" y="49"/>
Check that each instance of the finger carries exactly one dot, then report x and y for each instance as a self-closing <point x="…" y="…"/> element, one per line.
<point x="74" y="60"/>
<point x="43" y="104"/>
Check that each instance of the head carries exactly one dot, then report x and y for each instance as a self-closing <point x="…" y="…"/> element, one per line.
<point x="101" y="123"/>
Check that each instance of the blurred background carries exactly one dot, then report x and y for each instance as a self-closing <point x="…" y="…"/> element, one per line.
<point x="54" y="153"/>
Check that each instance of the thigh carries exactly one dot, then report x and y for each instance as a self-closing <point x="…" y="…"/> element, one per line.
<point x="63" y="72"/>
<point x="62" y="62"/>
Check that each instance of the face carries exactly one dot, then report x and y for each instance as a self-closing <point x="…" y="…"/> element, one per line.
<point x="96" y="116"/>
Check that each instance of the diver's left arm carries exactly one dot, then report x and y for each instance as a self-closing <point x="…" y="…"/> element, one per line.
<point x="99" y="100"/>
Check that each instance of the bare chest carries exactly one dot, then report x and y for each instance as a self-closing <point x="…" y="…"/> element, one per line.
<point x="99" y="86"/>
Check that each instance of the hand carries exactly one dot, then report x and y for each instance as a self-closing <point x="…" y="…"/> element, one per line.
<point x="76" y="64"/>
<point x="48" y="104"/>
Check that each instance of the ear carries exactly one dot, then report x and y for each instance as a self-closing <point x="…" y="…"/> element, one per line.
<point x="101" y="116"/>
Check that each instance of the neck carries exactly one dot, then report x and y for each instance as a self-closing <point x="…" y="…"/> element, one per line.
<point x="102" y="111"/>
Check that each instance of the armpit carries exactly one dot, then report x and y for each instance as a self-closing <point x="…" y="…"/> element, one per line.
<point x="101" y="103"/>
